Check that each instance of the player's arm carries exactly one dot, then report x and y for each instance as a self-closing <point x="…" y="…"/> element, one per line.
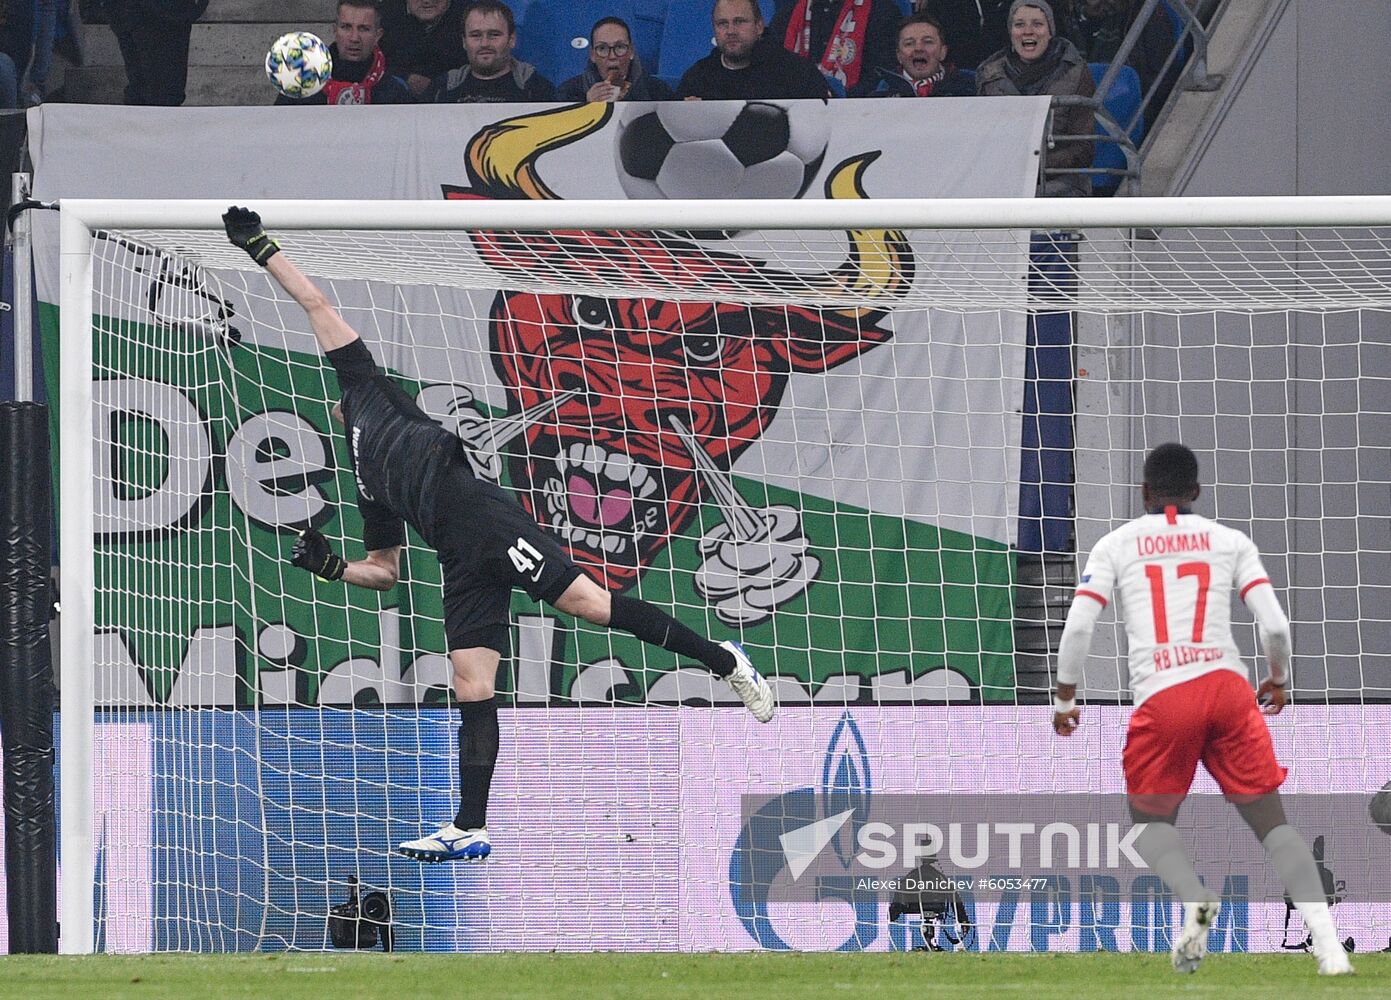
<point x="244" y="231"/>
<point x="1272" y="625"/>
<point x="378" y="571"/>
<point x="1087" y="605"/>
<point x="1274" y="630"/>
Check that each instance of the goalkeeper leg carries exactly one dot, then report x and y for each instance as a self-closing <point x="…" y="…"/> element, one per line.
<point x="586" y="599"/>
<point x="466" y="837"/>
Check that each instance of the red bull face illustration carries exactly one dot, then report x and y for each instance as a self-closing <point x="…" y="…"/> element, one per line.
<point x="635" y="409"/>
<point x="609" y="473"/>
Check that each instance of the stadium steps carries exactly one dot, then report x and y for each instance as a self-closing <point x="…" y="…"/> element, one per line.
<point x="226" y="53"/>
<point x="1042" y="595"/>
<point x="1187" y="125"/>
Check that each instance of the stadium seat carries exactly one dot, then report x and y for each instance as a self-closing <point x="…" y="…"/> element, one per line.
<point x="968" y="74"/>
<point x="1123" y="102"/>
<point x="555" y="35"/>
<point x="837" y="88"/>
<point x="688" y="36"/>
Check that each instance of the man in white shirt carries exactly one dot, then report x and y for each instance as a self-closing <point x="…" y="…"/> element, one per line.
<point x="1172" y="571"/>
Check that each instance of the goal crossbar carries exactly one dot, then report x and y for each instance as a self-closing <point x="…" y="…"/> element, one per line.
<point x="907" y="213"/>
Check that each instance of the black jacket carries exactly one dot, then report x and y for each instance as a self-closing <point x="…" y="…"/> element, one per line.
<point x="412" y="47"/>
<point x="460" y="86"/>
<point x="774" y="74"/>
<point x="643" y="85"/>
<point x="894" y="84"/>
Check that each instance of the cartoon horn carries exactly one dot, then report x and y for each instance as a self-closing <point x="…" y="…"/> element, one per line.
<point x="880" y="264"/>
<point x="502" y="157"/>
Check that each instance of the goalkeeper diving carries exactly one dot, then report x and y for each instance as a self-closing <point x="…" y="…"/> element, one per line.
<point x="410" y="470"/>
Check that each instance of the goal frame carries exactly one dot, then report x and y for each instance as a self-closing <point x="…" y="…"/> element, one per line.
<point x="80" y="219"/>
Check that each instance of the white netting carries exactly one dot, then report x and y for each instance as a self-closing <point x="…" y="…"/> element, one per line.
<point x="1172" y="270"/>
<point x="877" y="478"/>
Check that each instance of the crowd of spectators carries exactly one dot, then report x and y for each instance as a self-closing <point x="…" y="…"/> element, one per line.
<point x="463" y="51"/>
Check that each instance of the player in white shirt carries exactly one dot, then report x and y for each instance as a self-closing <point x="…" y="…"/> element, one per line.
<point x="1172" y="572"/>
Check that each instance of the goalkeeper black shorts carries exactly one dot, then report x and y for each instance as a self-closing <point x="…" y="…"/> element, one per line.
<point x="489" y="545"/>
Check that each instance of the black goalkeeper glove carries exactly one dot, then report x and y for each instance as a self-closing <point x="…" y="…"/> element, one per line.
<point x="311" y="552"/>
<point x="244" y="230"/>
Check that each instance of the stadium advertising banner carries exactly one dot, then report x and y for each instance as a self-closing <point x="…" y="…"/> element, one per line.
<point x="607" y="837"/>
<point x="852" y="524"/>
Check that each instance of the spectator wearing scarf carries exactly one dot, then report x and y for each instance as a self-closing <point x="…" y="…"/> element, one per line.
<point x="849" y="40"/>
<point x="923" y="69"/>
<point x="1039" y="62"/>
<point x="359" y="66"/>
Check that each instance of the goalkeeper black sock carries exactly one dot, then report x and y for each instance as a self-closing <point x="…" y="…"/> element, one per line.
<point x="651" y="624"/>
<point x="478" y="741"/>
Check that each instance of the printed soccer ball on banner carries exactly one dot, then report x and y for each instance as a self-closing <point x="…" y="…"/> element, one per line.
<point x="1380" y="808"/>
<point x="722" y="149"/>
<point x="299" y="64"/>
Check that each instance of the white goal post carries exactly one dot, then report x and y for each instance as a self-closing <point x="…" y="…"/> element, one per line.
<point x="1148" y="264"/>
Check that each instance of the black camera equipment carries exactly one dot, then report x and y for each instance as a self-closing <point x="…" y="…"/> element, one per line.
<point x="361" y="923"/>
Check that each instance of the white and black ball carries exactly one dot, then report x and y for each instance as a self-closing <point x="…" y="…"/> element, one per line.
<point x="1380" y="808"/>
<point x="722" y="149"/>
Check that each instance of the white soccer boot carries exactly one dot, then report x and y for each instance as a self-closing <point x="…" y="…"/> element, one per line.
<point x="1191" y="945"/>
<point x="449" y="843"/>
<point x="1333" y="960"/>
<point x="749" y="684"/>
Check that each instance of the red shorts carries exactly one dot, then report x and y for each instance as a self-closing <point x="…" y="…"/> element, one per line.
<point x="1213" y="718"/>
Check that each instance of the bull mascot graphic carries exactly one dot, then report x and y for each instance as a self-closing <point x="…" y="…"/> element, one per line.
<point x="626" y="414"/>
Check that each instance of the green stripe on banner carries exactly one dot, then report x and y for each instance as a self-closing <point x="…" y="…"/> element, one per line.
<point x="207" y="582"/>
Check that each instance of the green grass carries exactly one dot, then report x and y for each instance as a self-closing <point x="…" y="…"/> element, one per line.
<point x="745" y="977"/>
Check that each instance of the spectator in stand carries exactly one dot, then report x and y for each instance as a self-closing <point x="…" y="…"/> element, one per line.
<point x="16" y="47"/>
<point x="747" y="66"/>
<point x="9" y="84"/>
<point x="849" y="40"/>
<point x="614" y="71"/>
<point x="973" y="28"/>
<point x="422" y="40"/>
<point x="359" y="67"/>
<point x="492" y="75"/>
<point x="922" y="70"/>
<point x="1039" y="61"/>
<point x="1101" y="27"/>
<point x="153" y="36"/>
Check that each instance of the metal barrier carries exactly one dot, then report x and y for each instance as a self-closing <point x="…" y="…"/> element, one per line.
<point x="1192" y="75"/>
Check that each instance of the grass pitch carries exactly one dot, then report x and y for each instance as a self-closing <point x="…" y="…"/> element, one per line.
<point x="343" y="976"/>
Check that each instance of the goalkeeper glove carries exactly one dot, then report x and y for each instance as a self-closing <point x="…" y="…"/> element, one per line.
<point x="244" y="230"/>
<point x="311" y="552"/>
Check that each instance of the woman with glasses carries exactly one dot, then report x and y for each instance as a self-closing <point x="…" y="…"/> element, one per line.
<point x="614" y="71"/>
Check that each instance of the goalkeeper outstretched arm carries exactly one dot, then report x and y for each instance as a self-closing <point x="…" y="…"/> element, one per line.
<point x="244" y="230"/>
<point x="382" y="567"/>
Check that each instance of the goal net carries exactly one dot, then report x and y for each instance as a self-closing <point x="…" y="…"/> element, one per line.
<point x="873" y="448"/>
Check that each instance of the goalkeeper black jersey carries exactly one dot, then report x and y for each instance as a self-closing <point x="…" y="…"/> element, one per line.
<point x="398" y="453"/>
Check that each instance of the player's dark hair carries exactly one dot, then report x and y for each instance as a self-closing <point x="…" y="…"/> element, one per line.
<point x="1171" y="471"/>
<point x="373" y="5"/>
<point x="754" y="9"/>
<point x="492" y="7"/>
<point x="617" y="22"/>
<point x="923" y="17"/>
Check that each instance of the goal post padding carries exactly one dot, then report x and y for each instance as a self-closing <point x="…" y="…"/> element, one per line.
<point x="26" y="680"/>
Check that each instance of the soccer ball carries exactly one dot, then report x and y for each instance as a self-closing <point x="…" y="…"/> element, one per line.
<point x="1380" y="808"/>
<point x="299" y="64"/>
<point x="722" y="149"/>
